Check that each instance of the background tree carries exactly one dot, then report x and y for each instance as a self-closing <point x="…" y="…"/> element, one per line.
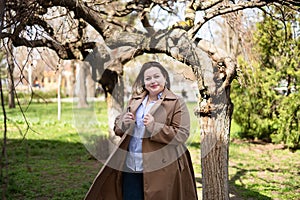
<point x="269" y="110"/>
<point x="10" y="74"/>
<point x="32" y="26"/>
<point x="3" y="70"/>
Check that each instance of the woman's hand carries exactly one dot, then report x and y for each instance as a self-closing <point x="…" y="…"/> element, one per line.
<point x="148" y="119"/>
<point x="128" y="117"/>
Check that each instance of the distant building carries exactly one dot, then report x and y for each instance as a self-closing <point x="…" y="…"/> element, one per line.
<point x="39" y="76"/>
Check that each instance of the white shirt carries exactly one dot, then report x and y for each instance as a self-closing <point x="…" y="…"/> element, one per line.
<point x="134" y="159"/>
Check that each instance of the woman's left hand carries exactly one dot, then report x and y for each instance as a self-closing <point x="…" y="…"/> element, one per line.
<point x="148" y="119"/>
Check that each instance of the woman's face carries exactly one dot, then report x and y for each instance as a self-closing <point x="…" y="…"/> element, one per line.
<point x="154" y="81"/>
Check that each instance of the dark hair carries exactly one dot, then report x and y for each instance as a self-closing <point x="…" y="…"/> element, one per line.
<point x="139" y="85"/>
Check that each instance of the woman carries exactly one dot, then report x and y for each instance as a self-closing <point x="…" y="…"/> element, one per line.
<point x="151" y="161"/>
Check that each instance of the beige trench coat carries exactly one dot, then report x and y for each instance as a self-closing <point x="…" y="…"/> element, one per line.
<point x="168" y="171"/>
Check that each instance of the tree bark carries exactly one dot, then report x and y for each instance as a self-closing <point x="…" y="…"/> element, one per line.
<point x="215" y="130"/>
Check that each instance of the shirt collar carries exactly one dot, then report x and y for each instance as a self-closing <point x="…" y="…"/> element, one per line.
<point x="146" y="98"/>
<point x="164" y="94"/>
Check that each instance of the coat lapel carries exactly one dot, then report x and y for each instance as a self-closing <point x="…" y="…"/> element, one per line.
<point x="167" y="94"/>
<point x="156" y="106"/>
<point x="137" y="100"/>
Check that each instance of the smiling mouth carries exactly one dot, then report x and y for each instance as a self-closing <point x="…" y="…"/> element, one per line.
<point x="154" y="86"/>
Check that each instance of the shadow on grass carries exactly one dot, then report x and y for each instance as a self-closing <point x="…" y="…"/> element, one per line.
<point x="240" y="192"/>
<point x="48" y="169"/>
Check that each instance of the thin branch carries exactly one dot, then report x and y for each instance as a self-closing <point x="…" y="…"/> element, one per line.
<point x="218" y="10"/>
<point x="3" y="158"/>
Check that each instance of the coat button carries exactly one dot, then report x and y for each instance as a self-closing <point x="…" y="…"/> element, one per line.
<point x="163" y="160"/>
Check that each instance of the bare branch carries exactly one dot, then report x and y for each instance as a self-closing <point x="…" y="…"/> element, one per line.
<point x="218" y="8"/>
<point x="204" y="5"/>
<point x="66" y="51"/>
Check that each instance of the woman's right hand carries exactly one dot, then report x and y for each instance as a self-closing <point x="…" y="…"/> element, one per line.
<point x="128" y="118"/>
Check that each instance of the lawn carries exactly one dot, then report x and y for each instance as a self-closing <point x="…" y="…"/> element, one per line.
<point x="47" y="158"/>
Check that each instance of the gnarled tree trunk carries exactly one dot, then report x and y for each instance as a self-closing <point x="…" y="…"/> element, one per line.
<point x="215" y="111"/>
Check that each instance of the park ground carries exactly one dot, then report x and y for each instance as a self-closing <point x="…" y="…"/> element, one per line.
<point x="47" y="159"/>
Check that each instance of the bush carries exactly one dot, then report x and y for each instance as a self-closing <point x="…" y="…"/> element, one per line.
<point x="267" y="105"/>
<point x="288" y="121"/>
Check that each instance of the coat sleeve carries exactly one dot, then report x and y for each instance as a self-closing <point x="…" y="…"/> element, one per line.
<point x="119" y="127"/>
<point x="177" y="131"/>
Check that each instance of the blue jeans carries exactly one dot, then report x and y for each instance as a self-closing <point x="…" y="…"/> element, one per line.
<point x="133" y="187"/>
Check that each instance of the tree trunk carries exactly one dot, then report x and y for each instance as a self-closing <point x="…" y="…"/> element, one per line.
<point x="215" y="111"/>
<point x="58" y="95"/>
<point x="10" y="77"/>
<point x="82" y="69"/>
<point x="215" y="130"/>
<point x="3" y="156"/>
<point x="115" y="105"/>
<point x="90" y="85"/>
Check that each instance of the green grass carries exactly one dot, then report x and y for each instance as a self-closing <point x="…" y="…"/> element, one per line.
<point x="52" y="161"/>
<point x="264" y="169"/>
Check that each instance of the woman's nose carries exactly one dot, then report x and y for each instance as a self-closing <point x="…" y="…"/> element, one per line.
<point x="152" y="80"/>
